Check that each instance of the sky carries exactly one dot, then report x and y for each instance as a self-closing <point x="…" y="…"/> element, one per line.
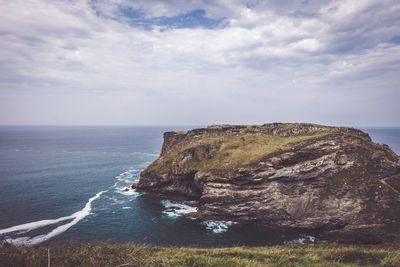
<point x="186" y="62"/>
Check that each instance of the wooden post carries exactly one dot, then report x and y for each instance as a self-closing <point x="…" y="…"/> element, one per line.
<point x="48" y="256"/>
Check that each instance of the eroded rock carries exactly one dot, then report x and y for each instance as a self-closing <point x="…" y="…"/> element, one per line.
<point x="332" y="180"/>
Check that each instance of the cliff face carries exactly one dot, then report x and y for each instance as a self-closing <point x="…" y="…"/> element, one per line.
<point x="331" y="180"/>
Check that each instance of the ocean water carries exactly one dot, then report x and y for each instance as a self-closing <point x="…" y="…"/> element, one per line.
<point x="66" y="184"/>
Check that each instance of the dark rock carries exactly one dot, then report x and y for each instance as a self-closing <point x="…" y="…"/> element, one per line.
<point x="330" y="180"/>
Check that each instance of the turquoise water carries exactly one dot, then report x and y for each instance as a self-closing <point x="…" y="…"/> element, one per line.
<point x="65" y="184"/>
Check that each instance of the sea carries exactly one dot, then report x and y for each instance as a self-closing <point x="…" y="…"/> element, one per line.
<point x="65" y="184"/>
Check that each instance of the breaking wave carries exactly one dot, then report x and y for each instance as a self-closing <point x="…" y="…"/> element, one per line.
<point x="302" y="240"/>
<point x="27" y="227"/>
<point x="217" y="227"/>
<point x="174" y="209"/>
<point x="124" y="180"/>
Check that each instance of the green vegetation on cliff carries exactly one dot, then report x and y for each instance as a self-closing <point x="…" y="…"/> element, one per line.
<point x="286" y="175"/>
<point x="131" y="255"/>
<point x="229" y="151"/>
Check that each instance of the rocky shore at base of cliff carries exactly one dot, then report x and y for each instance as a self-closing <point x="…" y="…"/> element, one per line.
<point x="332" y="181"/>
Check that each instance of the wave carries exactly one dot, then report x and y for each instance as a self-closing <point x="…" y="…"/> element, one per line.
<point x="217" y="227"/>
<point x="146" y="154"/>
<point x="126" y="175"/>
<point x="123" y="180"/>
<point x="174" y="209"/>
<point x="116" y="201"/>
<point x="302" y="240"/>
<point x="76" y="217"/>
<point x="130" y="192"/>
<point x="129" y="176"/>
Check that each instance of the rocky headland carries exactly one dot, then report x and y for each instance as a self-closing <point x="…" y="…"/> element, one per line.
<point x="331" y="181"/>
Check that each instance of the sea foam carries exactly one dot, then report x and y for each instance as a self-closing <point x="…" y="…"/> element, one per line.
<point x="217" y="227"/>
<point x="174" y="209"/>
<point x="302" y="240"/>
<point x="76" y="217"/>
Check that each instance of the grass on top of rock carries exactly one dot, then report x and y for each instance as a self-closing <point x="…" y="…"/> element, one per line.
<point x="132" y="255"/>
<point x="227" y="151"/>
<point x="242" y="150"/>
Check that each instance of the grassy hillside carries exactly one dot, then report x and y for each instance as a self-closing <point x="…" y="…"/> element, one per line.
<point x="131" y="255"/>
<point x="229" y="151"/>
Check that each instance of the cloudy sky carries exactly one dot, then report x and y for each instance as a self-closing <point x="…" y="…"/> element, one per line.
<point x="186" y="62"/>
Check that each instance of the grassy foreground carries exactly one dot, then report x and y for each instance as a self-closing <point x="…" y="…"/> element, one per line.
<point x="132" y="255"/>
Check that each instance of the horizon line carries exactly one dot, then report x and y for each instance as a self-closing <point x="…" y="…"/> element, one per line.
<point x="179" y="125"/>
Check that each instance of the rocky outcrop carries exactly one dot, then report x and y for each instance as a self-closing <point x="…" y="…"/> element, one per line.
<point x="333" y="181"/>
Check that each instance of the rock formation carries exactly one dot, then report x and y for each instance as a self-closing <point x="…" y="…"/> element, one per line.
<point x="332" y="181"/>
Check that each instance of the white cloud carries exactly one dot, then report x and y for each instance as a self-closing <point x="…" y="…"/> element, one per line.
<point x="285" y="61"/>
